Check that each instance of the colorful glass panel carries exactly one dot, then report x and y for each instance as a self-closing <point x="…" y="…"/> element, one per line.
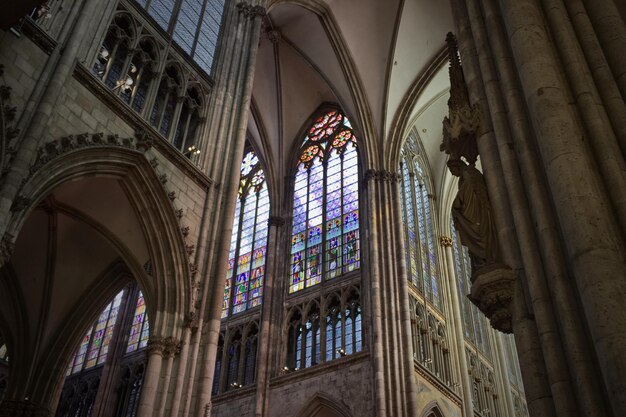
<point x="421" y="249"/>
<point x="139" y="330"/>
<point x="325" y="237"/>
<point x="243" y="287"/>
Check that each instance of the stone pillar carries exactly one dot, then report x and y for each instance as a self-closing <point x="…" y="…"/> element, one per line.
<point x="228" y="119"/>
<point x="152" y="378"/>
<point x="457" y="324"/>
<point x="394" y="377"/>
<point x="591" y="235"/>
<point x="170" y="348"/>
<point x="179" y="382"/>
<point x="265" y="339"/>
<point x="611" y="32"/>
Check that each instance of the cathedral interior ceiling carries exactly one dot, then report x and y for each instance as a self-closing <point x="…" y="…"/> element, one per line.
<point x="301" y="64"/>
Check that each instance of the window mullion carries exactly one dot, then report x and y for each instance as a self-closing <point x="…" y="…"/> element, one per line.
<point x="305" y="250"/>
<point x="198" y="28"/>
<point x="416" y="217"/>
<point x="242" y="208"/>
<point x="324" y="214"/>
<point x="253" y="247"/>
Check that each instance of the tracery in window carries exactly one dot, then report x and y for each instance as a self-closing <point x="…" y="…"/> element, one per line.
<point x="248" y="244"/>
<point x="317" y="334"/>
<point x="421" y="254"/>
<point x="325" y="231"/>
<point x="152" y="81"/>
<point x="235" y="363"/>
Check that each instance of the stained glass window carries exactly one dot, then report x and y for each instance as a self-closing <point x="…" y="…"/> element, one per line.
<point x="140" y="328"/>
<point x="325" y="240"/>
<point x="196" y="27"/>
<point x="421" y="254"/>
<point x="248" y="243"/>
<point x="94" y="346"/>
<point x="3" y="353"/>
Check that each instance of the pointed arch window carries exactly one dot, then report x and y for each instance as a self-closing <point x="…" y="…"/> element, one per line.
<point x="325" y="240"/>
<point x="248" y="244"/>
<point x="421" y="256"/>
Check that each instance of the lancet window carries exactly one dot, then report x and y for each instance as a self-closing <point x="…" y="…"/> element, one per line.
<point x="421" y="254"/>
<point x="157" y="84"/>
<point x="325" y="240"/>
<point x="248" y="245"/>
<point x="322" y="330"/>
<point x="235" y="363"/>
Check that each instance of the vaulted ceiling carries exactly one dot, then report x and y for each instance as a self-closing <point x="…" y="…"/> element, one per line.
<point x="383" y="62"/>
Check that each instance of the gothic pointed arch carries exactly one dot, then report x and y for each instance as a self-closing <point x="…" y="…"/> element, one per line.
<point x="98" y="199"/>
<point x="324" y="405"/>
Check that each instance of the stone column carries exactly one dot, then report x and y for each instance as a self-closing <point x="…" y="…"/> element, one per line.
<point x="394" y="378"/>
<point x="152" y="378"/>
<point x="459" y="338"/>
<point x="228" y="123"/>
<point x="611" y="32"/>
<point x="170" y="348"/>
<point x="263" y="361"/>
<point x="179" y="382"/>
<point x="592" y="239"/>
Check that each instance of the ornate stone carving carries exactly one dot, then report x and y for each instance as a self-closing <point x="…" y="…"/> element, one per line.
<point x="171" y="195"/>
<point x="163" y="178"/>
<point x="7" y="116"/>
<point x="492" y="292"/>
<point x="249" y="11"/>
<point x="274" y="35"/>
<point x="171" y="346"/>
<point x="156" y="345"/>
<point x="463" y="121"/>
<point x="24" y="408"/>
<point x="445" y="241"/>
<point x="191" y="320"/>
<point x="7" y="246"/>
<point x="492" y="280"/>
<point x="382" y="175"/>
<point x="185" y="231"/>
<point x="54" y="149"/>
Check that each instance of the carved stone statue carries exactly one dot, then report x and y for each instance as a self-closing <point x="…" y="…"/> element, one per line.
<point x="472" y="215"/>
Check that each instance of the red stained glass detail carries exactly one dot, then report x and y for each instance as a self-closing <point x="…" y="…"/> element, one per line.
<point x="310" y="153"/>
<point x="325" y="125"/>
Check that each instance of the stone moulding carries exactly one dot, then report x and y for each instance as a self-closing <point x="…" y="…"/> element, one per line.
<point x="67" y="144"/>
<point x="128" y="115"/>
<point x="492" y="292"/>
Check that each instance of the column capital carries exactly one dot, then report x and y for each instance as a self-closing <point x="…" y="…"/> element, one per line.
<point x="445" y="241"/>
<point x="156" y="345"/>
<point x="171" y="346"/>
<point x="382" y="175"/>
